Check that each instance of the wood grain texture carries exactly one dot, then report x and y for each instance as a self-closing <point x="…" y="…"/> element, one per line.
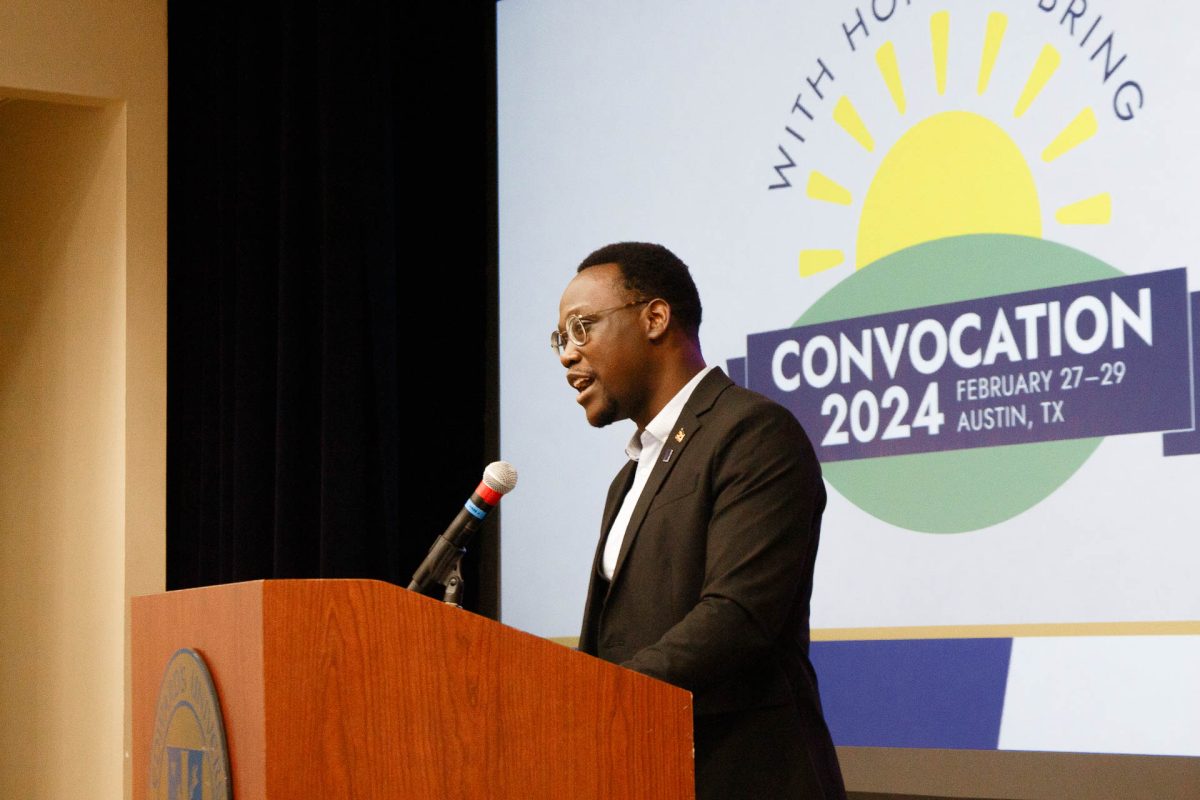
<point x="366" y="690"/>
<point x="393" y="695"/>
<point x="223" y="624"/>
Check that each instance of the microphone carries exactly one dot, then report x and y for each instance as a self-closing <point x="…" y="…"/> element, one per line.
<point x="498" y="480"/>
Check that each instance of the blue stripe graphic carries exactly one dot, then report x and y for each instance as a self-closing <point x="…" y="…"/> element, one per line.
<point x="943" y="693"/>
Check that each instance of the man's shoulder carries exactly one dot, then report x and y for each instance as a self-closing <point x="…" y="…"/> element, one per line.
<point x="737" y="400"/>
<point x="736" y="408"/>
<point x="745" y="427"/>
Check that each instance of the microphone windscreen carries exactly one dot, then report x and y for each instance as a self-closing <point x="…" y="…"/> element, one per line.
<point x="500" y="477"/>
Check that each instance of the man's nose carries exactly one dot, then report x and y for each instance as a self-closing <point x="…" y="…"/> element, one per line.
<point x="569" y="354"/>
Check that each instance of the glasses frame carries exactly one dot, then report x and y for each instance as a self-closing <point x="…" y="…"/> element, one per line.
<point x="559" y="338"/>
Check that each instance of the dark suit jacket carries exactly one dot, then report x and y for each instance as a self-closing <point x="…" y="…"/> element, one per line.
<point x="711" y="592"/>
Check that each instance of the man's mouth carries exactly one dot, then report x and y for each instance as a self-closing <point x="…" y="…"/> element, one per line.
<point x="580" y="381"/>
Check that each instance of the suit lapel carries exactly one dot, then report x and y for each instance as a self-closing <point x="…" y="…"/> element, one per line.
<point x="682" y="433"/>
<point x="597" y="586"/>
<point x="616" y="493"/>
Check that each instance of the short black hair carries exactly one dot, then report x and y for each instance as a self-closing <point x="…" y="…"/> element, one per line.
<point x="651" y="270"/>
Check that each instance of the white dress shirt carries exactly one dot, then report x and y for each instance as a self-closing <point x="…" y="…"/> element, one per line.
<point x="644" y="447"/>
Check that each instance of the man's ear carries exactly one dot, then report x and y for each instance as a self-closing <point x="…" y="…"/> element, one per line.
<point x="657" y="319"/>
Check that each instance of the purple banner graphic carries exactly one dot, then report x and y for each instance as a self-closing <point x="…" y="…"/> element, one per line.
<point x="1088" y="359"/>
<point x="1187" y="442"/>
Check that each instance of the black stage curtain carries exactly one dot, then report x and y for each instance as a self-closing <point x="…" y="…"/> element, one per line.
<point x="331" y="290"/>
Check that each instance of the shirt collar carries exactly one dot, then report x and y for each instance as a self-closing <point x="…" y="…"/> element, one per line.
<point x="659" y="428"/>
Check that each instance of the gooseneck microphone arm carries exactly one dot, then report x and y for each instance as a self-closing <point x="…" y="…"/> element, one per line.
<point x="441" y="565"/>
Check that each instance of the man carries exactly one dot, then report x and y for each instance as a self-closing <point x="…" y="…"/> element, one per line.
<point x="704" y="568"/>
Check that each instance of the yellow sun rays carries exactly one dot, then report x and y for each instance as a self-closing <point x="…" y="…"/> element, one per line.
<point x="885" y="57"/>
<point x="821" y="187"/>
<point x="824" y="188"/>
<point x="814" y="261"/>
<point x="996" y="25"/>
<point x="846" y="116"/>
<point x="1078" y="131"/>
<point x="1047" y="63"/>
<point x="939" y="32"/>
<point x="1094" y="210"/>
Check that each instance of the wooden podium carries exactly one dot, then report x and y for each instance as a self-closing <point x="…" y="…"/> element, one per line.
<point x="359" y="689"/>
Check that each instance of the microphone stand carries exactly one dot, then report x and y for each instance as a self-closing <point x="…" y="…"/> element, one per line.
<point x="454" y="582"/>
<point x="443" y="563"/>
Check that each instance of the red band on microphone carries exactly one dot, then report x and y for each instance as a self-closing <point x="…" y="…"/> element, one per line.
<point x="488" y="494"/>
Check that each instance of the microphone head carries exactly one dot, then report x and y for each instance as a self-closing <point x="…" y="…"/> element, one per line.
<point x="500" y="477"/>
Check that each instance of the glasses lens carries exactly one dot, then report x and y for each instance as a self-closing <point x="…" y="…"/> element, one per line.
<point x="556" y="342"/>
<point x="577" y="330"/>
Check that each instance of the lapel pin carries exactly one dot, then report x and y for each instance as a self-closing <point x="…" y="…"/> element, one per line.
<point x="667" y="455"/>
<point x="679" y="436"/>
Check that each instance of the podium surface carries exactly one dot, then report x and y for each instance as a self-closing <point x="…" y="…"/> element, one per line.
<point x="362" y="689"/>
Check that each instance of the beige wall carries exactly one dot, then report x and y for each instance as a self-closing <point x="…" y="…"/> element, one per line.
<point x="62" y="460"/>
<point x="82" y="379"/>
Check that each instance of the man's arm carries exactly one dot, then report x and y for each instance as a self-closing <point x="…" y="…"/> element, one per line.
<point x="761" y="542"/>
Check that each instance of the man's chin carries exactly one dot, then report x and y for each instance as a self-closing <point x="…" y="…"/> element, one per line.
<point x="606" y="414"/>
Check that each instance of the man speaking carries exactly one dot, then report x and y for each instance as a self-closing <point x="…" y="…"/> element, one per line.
<point x="704" y="569"/>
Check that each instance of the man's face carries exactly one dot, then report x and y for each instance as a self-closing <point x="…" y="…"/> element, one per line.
<point x="609" y="370"/>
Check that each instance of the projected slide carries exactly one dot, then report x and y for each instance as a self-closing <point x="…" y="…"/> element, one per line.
<point x="956" y="240"/>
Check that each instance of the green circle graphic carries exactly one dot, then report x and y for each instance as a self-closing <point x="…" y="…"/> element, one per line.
<point x="957" y="491"/>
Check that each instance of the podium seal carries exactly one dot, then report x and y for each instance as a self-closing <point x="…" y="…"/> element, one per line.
<point x="188" y="758"/>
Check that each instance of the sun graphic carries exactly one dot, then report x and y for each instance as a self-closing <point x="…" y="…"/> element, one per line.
<point x="952" y="211"/>
<point x="955" y="172"/>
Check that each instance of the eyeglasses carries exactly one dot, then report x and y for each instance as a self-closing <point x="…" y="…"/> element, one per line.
<point x="577" y="326"/>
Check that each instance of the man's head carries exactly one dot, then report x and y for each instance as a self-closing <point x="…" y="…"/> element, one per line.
<point x="651" y="270"/>
<point x="637" y="313"/>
